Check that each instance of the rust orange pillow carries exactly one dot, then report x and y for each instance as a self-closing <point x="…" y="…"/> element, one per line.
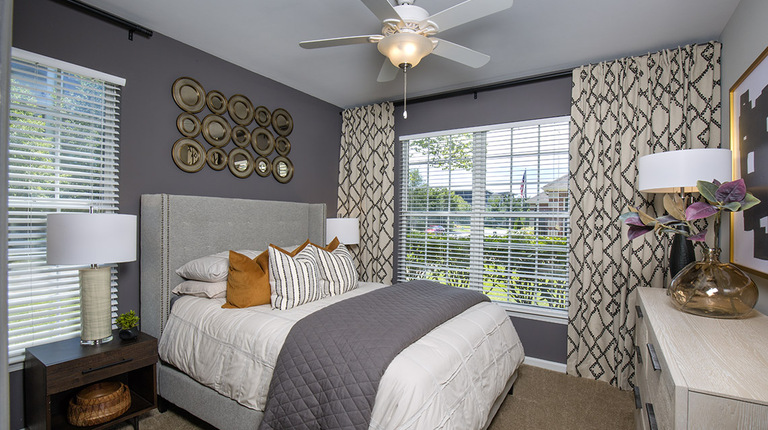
<point x="248" y="281"/>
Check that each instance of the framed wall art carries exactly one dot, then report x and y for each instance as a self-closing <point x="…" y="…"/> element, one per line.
<point x="749" y="144"/>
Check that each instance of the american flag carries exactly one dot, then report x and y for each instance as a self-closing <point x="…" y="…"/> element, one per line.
<point x="522" y="184"/>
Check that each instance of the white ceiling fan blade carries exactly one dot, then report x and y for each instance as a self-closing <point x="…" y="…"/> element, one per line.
<point x="460" y="54"/>
<point x="382" y="9"/>
<point x="388" y="71"/>
<point x="465" y="12"/>
<point x="337" y="41"/>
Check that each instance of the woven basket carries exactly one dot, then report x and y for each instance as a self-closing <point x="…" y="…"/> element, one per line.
<point x="99" y="403"/>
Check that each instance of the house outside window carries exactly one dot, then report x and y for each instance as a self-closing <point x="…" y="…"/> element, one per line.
<point x="486" y="208"/>
<point x="63" y="157"/>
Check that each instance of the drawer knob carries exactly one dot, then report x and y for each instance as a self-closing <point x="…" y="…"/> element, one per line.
<point x="639" y="355"/>
<point x="639" y="311"/>
<point x="654" y="358"/>
<point x="651" y="417"/>
<point x="93" y="369"/>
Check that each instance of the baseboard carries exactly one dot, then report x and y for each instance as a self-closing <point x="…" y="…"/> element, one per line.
<point x="545" y="364"/>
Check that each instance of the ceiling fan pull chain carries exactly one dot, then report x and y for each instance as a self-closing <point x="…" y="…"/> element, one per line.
<point x="405" y="91"/>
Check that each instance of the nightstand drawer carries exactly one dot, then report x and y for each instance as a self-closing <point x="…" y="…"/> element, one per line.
<point x="63" y="376"/>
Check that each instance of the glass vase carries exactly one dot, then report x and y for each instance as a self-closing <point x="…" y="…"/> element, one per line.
<point x="713" y="289"/>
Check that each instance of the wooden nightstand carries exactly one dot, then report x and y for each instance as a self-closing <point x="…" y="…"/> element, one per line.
<point x="55" y="372"/>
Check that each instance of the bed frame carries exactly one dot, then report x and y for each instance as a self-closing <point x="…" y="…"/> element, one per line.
<point x="176" y="229"/>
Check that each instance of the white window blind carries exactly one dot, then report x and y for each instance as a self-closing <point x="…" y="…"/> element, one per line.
<point x="487" y="209"/>
<point x="63" y="157"/>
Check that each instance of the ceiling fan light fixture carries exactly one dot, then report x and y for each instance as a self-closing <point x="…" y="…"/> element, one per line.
<point x="405" y="48"/>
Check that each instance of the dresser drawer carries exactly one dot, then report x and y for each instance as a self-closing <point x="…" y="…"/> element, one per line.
<point x="652" y="376"/>
<point x="63" y="376"/>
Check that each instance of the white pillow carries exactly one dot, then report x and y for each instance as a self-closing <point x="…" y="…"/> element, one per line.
<point x="211" y="268"/>
<point x="337" y="269"/>
<point x="293" y="280"/>
<point x="211" y="290"/>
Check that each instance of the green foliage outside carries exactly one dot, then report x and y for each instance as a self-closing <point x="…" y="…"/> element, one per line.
<point x="452" y="152"/>
<point x="505" y="259"/>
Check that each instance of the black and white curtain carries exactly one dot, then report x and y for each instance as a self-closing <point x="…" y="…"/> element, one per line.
<point x="367" y="186"/>
<point x="620" y="111"/>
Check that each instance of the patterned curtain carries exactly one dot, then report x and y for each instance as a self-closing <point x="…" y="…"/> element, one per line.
<point x="367" y="186"/>
<point x="620" y="111"/>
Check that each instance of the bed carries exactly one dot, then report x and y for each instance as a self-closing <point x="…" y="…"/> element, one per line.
<point x="176" y="229"/>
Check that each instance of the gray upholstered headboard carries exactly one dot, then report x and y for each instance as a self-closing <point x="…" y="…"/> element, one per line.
<point x="176" y="229"/>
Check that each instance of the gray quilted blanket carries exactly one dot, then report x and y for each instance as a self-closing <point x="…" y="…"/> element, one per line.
<point x="329" y="368"/>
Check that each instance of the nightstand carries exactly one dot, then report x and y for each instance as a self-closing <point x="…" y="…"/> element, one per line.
<point x="55" y="372"/>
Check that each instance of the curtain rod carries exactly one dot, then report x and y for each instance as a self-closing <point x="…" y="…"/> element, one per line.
<point x="109" y="17"/>
<point x="489" y="87"/>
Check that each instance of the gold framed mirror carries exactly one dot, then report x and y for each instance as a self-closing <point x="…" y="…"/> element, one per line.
<point x="240" y="109"/>
<point x="216" y="130"/>
<point x="282" y="146"/>
<point x="262" y="116"/>
<point x="188" y="124"/>
<point x="216" y="102"/>
<point x="282" y="122"/>
<point x="188" y="155"/>
<point x="263" y="141"/>
<point x="188" y="94"/>
<point x="282" y="169"/>
<point x="241" y="136"/>
<point x="240" y="163"/>
<point x="216" y="158"/>
<point x="263" y="167"/>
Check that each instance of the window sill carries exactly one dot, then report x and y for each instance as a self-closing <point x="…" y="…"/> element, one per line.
<point x="536" y="313"/>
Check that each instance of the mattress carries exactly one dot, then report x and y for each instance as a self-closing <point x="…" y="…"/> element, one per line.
<point x="447" y="379"/>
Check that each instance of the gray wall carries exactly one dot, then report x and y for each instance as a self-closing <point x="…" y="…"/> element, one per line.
<point x="148" y="119"/>
<point x="744" y="38"/>
<point x="534" y="100"/>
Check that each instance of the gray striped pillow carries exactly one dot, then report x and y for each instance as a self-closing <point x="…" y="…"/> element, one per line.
<point x="293" y="280"/>
<point x="337" y="270"/>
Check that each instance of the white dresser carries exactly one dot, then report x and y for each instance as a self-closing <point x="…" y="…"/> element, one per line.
<point x="694" y="372"/>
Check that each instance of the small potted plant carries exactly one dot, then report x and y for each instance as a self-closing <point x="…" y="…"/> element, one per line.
<point x="128" y="323"/>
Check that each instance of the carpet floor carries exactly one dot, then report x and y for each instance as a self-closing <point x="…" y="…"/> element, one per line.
<point x="542" y="399"/>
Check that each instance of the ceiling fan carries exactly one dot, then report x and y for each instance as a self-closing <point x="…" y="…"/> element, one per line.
<point x="408" y="30"/>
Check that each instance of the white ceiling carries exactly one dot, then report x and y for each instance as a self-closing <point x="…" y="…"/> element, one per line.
<point x="530" y="38"/>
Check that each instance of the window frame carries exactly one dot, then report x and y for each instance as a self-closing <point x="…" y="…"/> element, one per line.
<point x="553" y="315"/>
<point x="64" y="155"/>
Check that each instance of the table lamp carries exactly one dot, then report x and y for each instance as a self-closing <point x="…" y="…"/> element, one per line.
<point x="96" y="240"/>
<point x="677" y="172"/>
<point x="346" y="229"/>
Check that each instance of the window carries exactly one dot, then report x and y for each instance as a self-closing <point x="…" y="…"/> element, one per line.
<point x="487" y="209"/>
<point x="63" y="157"/>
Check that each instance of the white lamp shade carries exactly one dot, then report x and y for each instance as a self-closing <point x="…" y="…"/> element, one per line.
<point x="671" y="171"/>
<point x="80" y="238"/>
<point x="346" y="229"/>
<point x="405" y="48"/>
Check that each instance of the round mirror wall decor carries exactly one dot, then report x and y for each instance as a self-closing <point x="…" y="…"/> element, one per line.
<point x="216" y="158"/>
<point x="263" y="167"/>
<point x="263" y="141"/>
<point x="188" y="94"/>
<point x="188" y="124"/>
<point x="216" y="102"/>
<point x="282" y="169"/>
<point x="263" y="149"/>
<point x="240" y="162"/>
<point x="188" y="154"/>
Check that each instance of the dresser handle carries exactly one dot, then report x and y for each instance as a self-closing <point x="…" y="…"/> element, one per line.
<point x="651" y="416"/>
<point x="639" y="311"/>
<point x="93" y="369"/>
<point x="638" y="401"/>
<point x="639" y="355"/>
<point x="654" y="358"/>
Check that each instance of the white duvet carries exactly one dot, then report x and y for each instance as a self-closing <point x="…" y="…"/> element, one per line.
<point x="447" y="379"/>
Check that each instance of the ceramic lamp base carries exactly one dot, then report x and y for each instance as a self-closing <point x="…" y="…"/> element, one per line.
<point x="95" y="306"/>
